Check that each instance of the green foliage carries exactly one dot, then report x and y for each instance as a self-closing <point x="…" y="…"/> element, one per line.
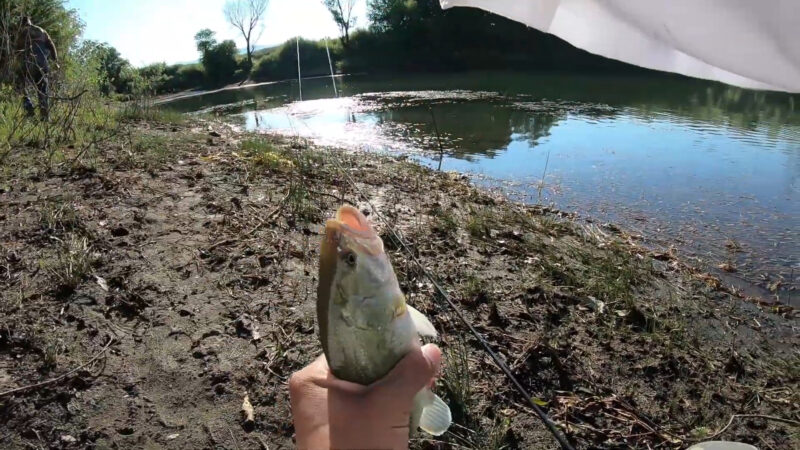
<point x="110" y="65"/>
<point x="205" y="40"/>
<point x="264" y="155"/>
<point x="413" y="35"/>
<point x="342" y="13"/>
<point x="281" y="63"/>
<point x="80" y="116"/>
<point x="478" y="222"/>
<point x="59" y="215"/>
<point x="135" y="111"/>
<point x="219" y="59"/>
<point x="180" y="77"/>
<point x="220" y="63"/>
<point x="61" y="23"/>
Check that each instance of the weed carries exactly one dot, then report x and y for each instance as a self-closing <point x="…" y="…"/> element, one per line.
<point x="300" y="203"/>
<point x="71" y="264"/>
<point x="457" y="383"/>
<point x="59" y="215"/>
<point x="149" y="152"/>
<point x="135" y="112"/>
<point x="495" y="437"/>
<point x="478" y="224"/>
<point x="264" y="155"/>
<point x="50" y="351"/>
<point x="475" y="289"/>
<point x="445" y="222"/>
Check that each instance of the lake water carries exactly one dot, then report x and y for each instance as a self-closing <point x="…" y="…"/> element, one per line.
<point x="712" y="170"/>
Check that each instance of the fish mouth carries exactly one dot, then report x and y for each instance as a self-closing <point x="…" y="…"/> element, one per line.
<point x="350" y="228"/>
<point x="351" y="221"/>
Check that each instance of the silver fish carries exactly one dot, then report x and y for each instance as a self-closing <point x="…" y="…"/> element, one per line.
<point x="365" y="325"/>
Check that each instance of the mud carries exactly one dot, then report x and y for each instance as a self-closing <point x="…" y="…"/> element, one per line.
<point x="193" y="256"/>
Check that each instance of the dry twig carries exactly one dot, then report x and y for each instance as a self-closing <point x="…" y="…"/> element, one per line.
<point x="60" y="377"/>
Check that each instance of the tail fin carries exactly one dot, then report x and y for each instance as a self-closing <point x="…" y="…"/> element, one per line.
<point x="431" y="413"/>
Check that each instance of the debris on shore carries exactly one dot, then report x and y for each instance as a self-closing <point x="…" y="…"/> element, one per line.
<point x="197" y="255"/>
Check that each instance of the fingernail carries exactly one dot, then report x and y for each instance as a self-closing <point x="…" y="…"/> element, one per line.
<point x="434" y="356"/>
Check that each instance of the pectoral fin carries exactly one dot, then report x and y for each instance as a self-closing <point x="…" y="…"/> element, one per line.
<point x="423" y="325"/>
<point x="431" y="413"/>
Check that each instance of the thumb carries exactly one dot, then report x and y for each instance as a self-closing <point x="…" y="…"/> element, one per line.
<point x="414" y="372"/>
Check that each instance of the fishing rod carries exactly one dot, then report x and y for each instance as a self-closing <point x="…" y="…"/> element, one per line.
<point x="551" y="426"/>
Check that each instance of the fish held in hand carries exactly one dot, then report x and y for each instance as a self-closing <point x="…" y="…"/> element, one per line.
<point x="365" y="325"/>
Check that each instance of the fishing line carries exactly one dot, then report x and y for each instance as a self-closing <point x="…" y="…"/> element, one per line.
<point x="440" y="290"/>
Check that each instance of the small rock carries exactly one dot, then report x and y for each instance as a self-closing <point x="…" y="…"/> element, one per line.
<point x="67" y="439"/>
<point x="102" y="283"/>
<point x="248" y="413"/>
<point x="172" y="436"/>
<point x="494" y="316"/>
<point x="595" y="304"/>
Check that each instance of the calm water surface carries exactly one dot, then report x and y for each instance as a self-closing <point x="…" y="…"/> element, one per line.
<point x="685" y="163"/>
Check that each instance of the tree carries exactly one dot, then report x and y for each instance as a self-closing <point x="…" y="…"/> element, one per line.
<point x="246" y="15"/>
<point x="110" y="65"/>
<point x="205" y="40"/>
<point x="342" y="12"/>
<point x="220" y="63"/>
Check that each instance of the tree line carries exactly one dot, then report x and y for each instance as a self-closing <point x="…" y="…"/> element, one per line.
<point x="403" y="36"/>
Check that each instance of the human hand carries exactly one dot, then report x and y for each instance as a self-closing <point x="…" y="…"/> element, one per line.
<point x="330" y="413"/>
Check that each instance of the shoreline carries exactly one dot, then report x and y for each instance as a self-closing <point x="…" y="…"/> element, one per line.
<point x="194" y="246"/>
<point x="247" y="84"/>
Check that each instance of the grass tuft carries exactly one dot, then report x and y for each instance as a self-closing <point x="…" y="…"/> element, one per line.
<point x="445" y="222"/>
<point x="264" y="154"/>
<point x="136" y="113"/>
<point x="478" y="223"/>
<point x="71" y="264"/>
<point x="59" y="215"/>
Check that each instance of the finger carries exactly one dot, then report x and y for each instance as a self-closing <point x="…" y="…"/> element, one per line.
<point x="414" y="372"/>
<point x="341" y="386"/>
<point x="324" y="378"/>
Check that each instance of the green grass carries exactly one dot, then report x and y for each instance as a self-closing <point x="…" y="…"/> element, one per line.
<point x="149" y="151"/>
<point x="134" y="112"/>
<point x="478" y="223"/>
<point x="264" y="155"/>
<point x="444" y="221"/>
<point x="457" y="383"/>
<point x="300" y="202"/>
<point x="74" y="130"/>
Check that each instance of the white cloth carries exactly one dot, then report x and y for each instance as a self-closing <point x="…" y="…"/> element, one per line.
<point x="748" y="43"/>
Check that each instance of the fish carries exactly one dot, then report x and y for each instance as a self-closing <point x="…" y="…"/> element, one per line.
<point x="365" y="325"/>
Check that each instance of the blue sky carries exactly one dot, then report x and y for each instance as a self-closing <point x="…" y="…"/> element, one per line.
<point x="148" y="31"/>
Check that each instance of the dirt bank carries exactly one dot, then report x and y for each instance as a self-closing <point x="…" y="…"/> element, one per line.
<point x="181" y="264"/>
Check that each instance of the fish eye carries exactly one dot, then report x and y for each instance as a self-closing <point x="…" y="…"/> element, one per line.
<point x="349" y="258"/>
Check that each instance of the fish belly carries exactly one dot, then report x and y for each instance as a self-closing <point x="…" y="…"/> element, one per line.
<point x="366" y="355"/>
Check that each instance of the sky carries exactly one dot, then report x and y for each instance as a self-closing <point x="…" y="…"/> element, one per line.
<point x="149" y="31"/>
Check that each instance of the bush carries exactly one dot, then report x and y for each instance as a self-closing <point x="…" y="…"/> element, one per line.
<point x="182" y="77"/>
<point x="220" y="63"/>
<point x="281" y="63"/>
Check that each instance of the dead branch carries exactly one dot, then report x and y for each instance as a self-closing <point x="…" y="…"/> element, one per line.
<point x="60" y="377"/>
